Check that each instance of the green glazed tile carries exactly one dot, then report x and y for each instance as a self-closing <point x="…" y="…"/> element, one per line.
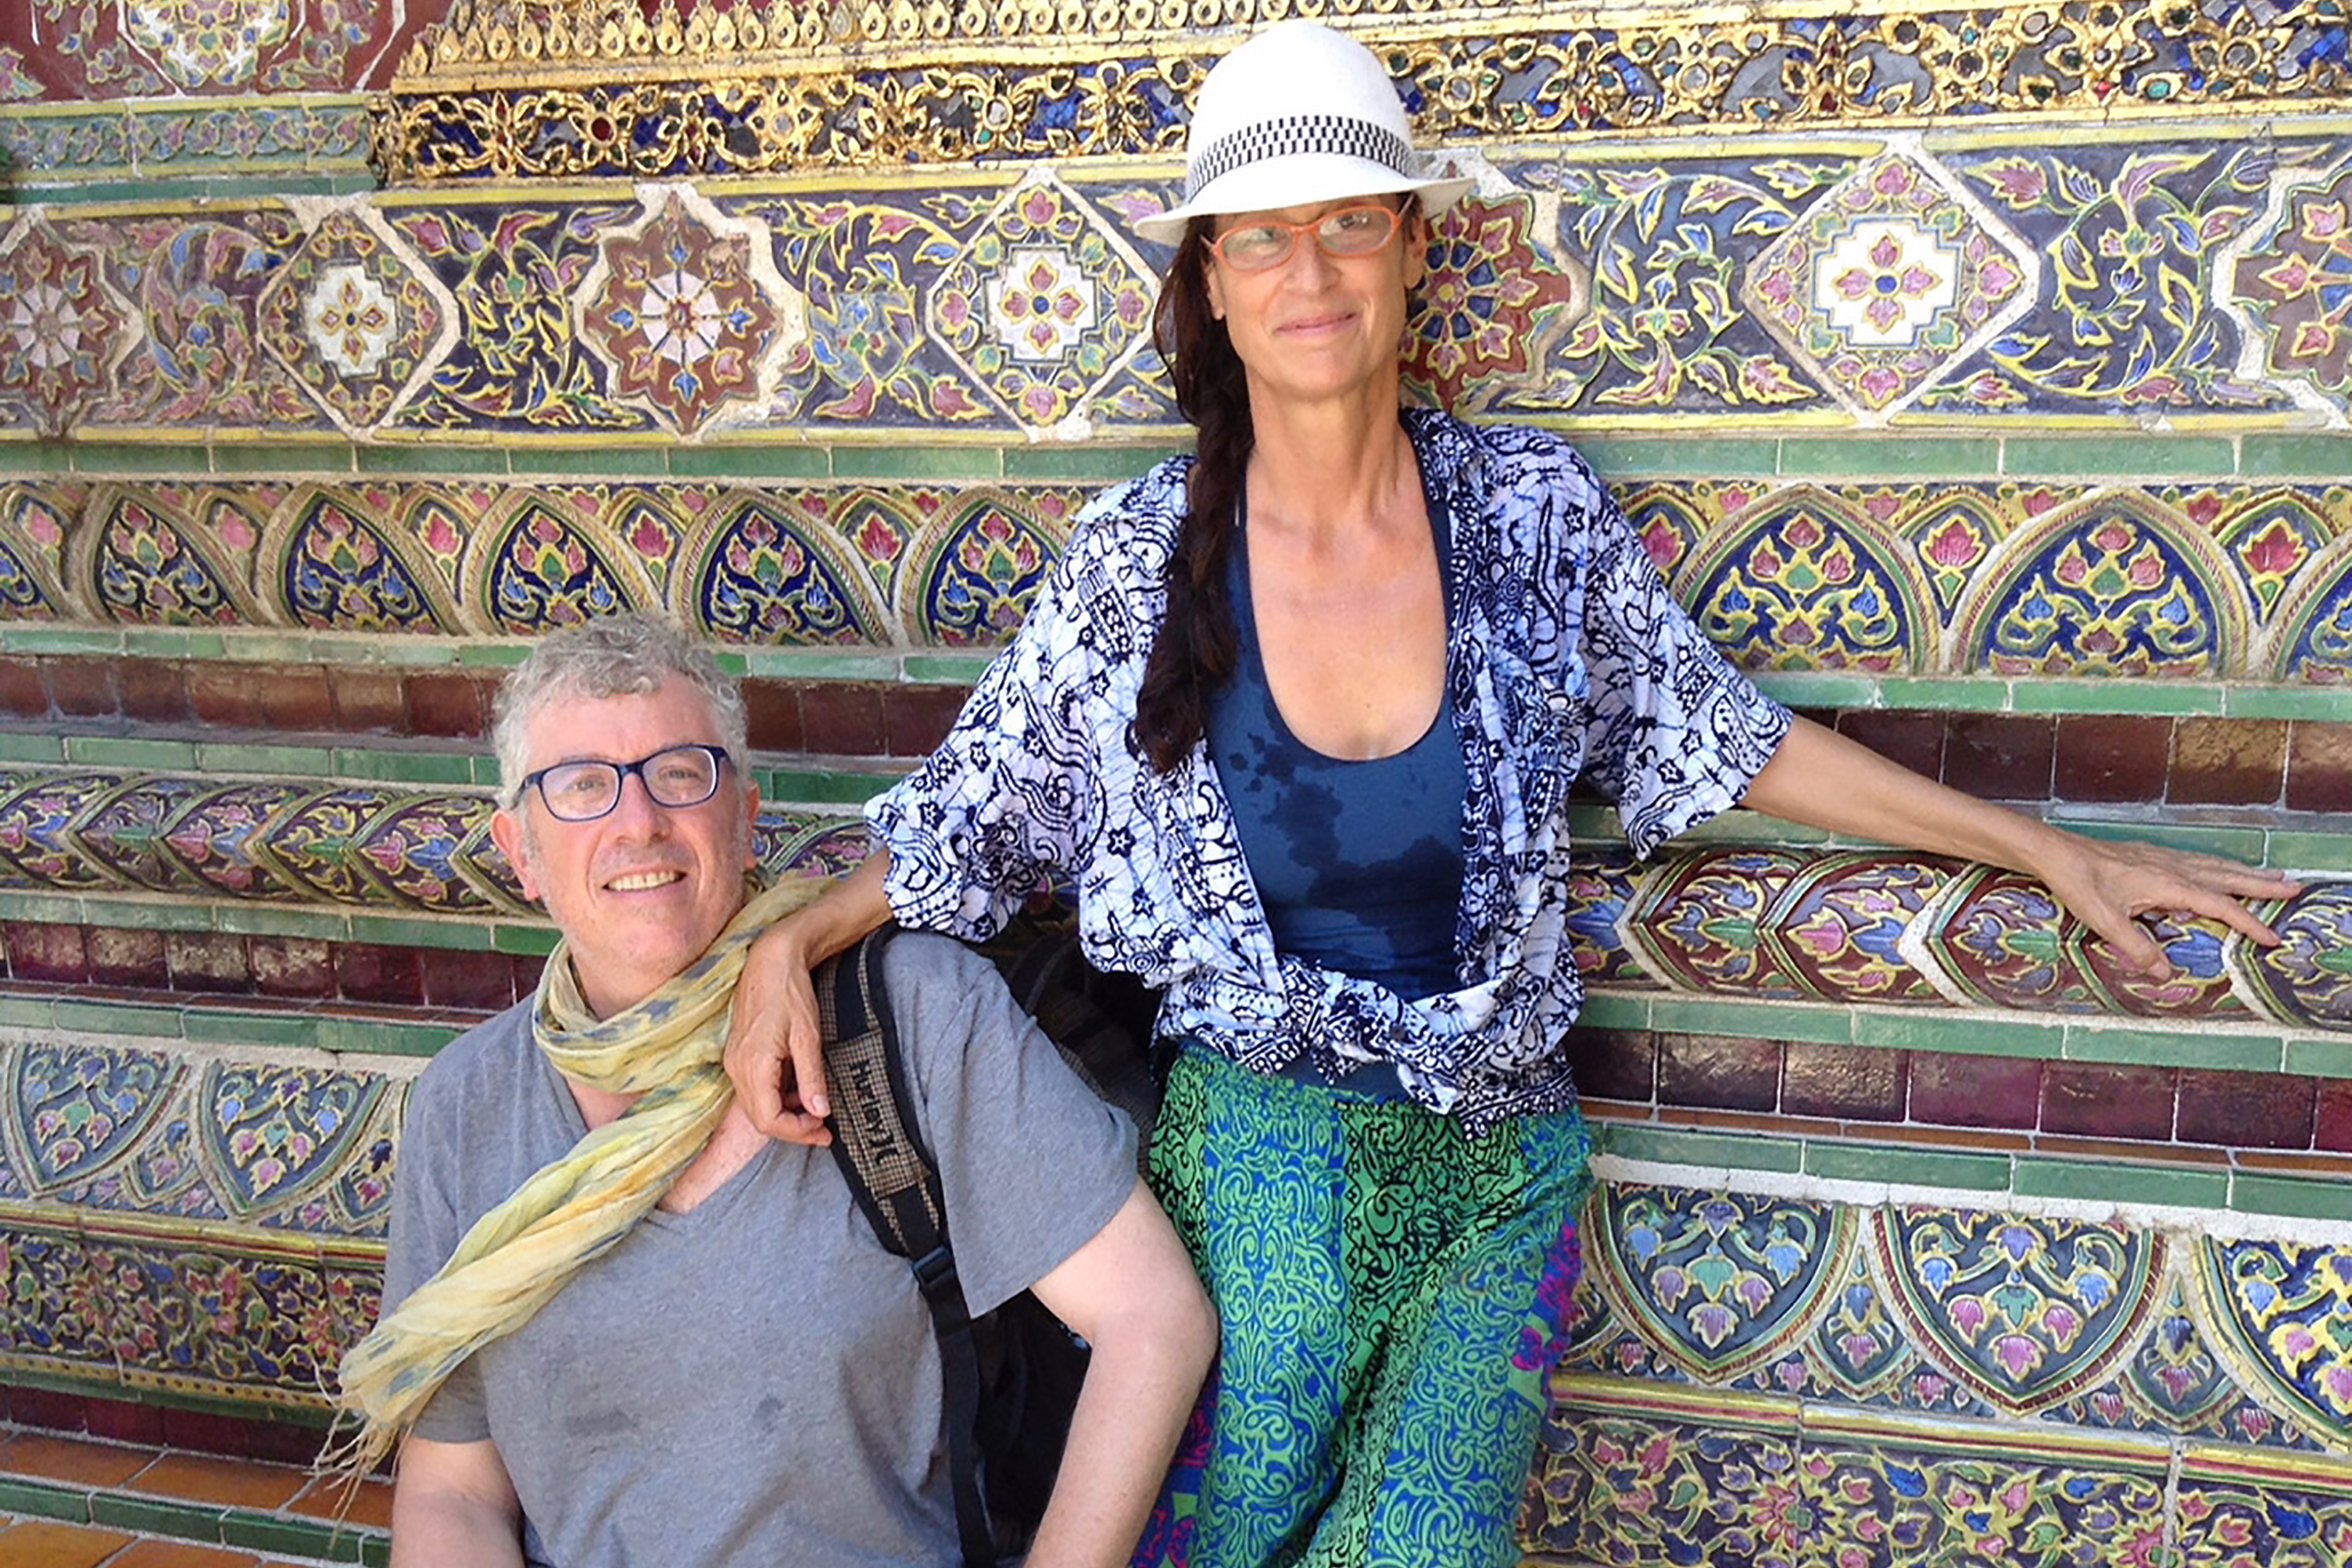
<point x="948" y="668"/>
<point x="366" y="1037"/>
<point x="1757" y="1020"/>
<point x="1910" y="457"/>
<point x="1619" y="457"/>
<point x="125" y="751"/>
<point x="1818" y="688"/>
<point x="271" y="648"/>
<point x="432" y="457"/>
<point x="534" y="942"/>
<point x="140" y="914"/>
<point x="1094" y="460"/>
<point x="2245" y="844"/>
<point x="886" y="462"/>
<point x="22" y="748"/>
<point x="34" y="458"/>
<point x="2309" y="851"/>
<point x="2166" y="698"/>
<point x="296" y="1538"/>
<point x="465" y="935"/>
<point x="2272" y="455"/>
<point x="1972" y="1034"/>
<point x="734" y="462"/>
<point x="117" y="1019"/>
<point x="156" y="1516"/>
<point x="820" y="664"/>
<point x="493" y="656"/>
<point x="205" y="1026"/>
<point x="807" y="788"/>
<point x="2321" y="703"/>
<point x="1903" y="1165"/>
<point x="37" y="1013"/>
<point x="2319" y="1056"/>
<point x="36" y="1499"/>
<point x="265" y="919"/>
<point x="1672" y="1146"/>
<point x="141" y="457"/>
<point x="173" y="642"/>
<point x="305" y="761"/>
<point x="272" y="457"/>
<point x="1607" y="1011"/>
<point x="2175" y="1049"/>
<point x="37" y="639"/>
<point x="2150" y="456"/>
<point x="2093" y="1180"/>
<point x="2292" y="1197"/>
<point x="631" y="462"/>
<point x="1952" y="693"/>
<point x="402" y="767"/>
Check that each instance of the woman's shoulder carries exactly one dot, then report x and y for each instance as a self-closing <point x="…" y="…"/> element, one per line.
<point x="1130" y="530"/>
<point x="1503" y="451"/>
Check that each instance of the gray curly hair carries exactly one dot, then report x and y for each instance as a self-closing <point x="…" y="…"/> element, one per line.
<point x="627" y="654"/>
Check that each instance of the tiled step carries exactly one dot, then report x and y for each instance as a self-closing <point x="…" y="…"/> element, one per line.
<point x="74" y="1502"/>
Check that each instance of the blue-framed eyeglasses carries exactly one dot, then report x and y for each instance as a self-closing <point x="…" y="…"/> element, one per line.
<point x="675" y="776"/>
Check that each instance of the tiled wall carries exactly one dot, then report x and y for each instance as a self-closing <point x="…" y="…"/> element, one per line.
<point x="1977" y="376"/>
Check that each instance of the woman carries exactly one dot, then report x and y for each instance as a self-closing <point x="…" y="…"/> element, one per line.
<point x="1297" y="720"/>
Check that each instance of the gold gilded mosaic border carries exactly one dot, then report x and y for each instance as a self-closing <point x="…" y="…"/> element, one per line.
<point x="542" y="89"/>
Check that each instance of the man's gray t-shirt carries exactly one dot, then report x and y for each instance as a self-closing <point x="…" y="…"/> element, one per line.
<point x="755" y="1382"/>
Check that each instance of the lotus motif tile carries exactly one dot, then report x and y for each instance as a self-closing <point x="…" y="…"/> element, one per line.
<point x="685" y="308"/>
<point x="2315" y="638"/>
<point x="1803" y="581"/>
<point x="1722" y="1282"/>
<point x="2304" y="979"/>
<point x="355" y="318"/>
<point x="768" y="577"/>
<point x="546" y="572"/>
<point x="150" y="568"/>
<point x="1886" y="280"/>
<point x="974" y="586"/>
<point x="271" y="1133"/>
<point x="2023" y="1312"/>
<point x="1043" y="303"/>
<point x="342" y="572"/>
<point x="1695" y="925"/>
<point x="74" y="1110"/>
<point x="2279" y="1312"/>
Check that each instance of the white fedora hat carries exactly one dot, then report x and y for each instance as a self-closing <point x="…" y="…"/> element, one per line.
<point x="1298" y="113"/>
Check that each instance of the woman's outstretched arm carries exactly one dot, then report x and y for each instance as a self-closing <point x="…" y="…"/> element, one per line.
<point x="1819" y="778"/>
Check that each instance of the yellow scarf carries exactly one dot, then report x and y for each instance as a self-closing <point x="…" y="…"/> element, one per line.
<point x="519" y="1254"/>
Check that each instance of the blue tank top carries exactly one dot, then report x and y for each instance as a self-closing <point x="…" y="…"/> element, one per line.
<point x="1358" y="864"/>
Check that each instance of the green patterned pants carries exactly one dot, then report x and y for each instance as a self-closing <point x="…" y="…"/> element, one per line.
<point x="1391" y="1295"/>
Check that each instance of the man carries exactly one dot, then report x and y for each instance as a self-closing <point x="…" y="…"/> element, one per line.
<point x="681" y="1343"/>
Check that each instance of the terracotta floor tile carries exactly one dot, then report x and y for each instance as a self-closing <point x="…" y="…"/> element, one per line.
<point x="70" y="1459"/>
<point x="234" y="1483"/>
<point x="323" y="1499"/>
<point x="181" y="1555"/>
<point x="45" y="1545"/>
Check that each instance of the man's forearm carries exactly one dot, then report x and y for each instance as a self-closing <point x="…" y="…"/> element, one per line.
<point x="1142" y="1380"/>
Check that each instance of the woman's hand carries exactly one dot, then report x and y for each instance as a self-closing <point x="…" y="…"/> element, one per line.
<point x="2107" y="885"/>
<point x="775" y="1051"/>
<point x="1823" y="780"/>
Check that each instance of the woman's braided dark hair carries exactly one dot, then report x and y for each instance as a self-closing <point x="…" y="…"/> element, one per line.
<point x="1197" y="647"/>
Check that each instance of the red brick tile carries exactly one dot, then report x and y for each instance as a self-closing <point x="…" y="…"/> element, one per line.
<point x="155" y="692"/>
<point x="228" y="695"/>
<point x="48" y="1409"/>
<point x="23" y="692"/>
<point x="916" y="718"/>
<point x="290" y="965"/>
<point x="1854" y="1082"/>
<point x="2112" y="757"/>
<point x="772" y="712"/>
<point x="1916" y="740"/>
<point x="38" y="952"/>
<point x="447" y="705"/>
<point x="207" y="960"/>
<point x="841" y="718"/>
<point x="366" y="972"/>
<point x="1957" y="1091"/>
<point x="126" y="957"/>
<point x="484" y="981"/>
<point x="83" y="688"/>
<point x="2246" y="1109"/>
<point x="2096" y="1101"/>
<point x="370" y="699"/>
<point x="124" y="1421"/>
<point x="297" y="697"/>
<point x="42" y="1543"/>
<point x="1711" y="1070"/>
<point x="2318" y="766"/>
<point x="241" y="1437"/>
<point x="527" y="967"/>
<point x="2332" y="1116"/>
<point x="2228" y="762"/>
<point x="2000" y="756"/>
<point x="1615" y="1064"/>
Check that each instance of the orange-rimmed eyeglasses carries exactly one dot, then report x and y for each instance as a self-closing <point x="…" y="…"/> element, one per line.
<point x="1343" y="231"/>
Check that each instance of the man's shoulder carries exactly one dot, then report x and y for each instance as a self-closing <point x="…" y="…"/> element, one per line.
<point x="479" y="1065"/>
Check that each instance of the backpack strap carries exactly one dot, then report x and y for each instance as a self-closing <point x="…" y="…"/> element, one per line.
<point x="891" y="1176"/>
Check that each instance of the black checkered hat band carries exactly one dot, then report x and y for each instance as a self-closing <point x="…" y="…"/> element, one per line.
<point x="1309" y="134"/>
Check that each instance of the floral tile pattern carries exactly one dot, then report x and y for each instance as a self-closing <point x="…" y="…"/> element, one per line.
<point x="355" y="318"/>
<point x="61" y="327"/>
<point x="88" y="49"/>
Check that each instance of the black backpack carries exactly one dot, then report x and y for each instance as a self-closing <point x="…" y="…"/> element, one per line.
<point x="1012" y="1376"/>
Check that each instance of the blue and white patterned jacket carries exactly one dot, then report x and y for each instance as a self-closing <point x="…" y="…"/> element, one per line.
<point x="1566" y="656"/>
